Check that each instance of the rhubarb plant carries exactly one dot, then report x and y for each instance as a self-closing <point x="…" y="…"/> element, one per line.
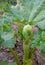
<point x="27" y="13"/>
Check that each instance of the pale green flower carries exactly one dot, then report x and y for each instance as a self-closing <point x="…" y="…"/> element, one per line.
<point x="27" y="30"/>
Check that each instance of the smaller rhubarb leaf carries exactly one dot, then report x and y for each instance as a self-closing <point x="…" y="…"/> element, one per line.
<point x="8" y="40"/>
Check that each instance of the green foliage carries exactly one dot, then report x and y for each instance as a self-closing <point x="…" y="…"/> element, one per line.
<point x="38" y="41"/>
<point x="4" y="7"/>
<point x="41" y="25"/>
<point x="26" y="12"/>
<point x="32" y="11"/>
<point x="12" y="2"/>
<point x="20" y="29"/>
<point x="8" y="40"/>
<point x="5" y="63"/>
<point x="6" y="34"/>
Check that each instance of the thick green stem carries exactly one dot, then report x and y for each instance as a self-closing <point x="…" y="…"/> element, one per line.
<point x="26" y="48"/>
<point x="27" y="33"/>
<point x="26" y="53"/>
<point x="15" y="56"/>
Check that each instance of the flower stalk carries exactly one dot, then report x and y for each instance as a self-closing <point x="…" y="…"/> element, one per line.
<point x="15" y="56"/>
<point x="27" y="32"/>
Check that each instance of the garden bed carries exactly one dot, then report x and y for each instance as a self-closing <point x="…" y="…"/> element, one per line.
<point x="5" y="54"/>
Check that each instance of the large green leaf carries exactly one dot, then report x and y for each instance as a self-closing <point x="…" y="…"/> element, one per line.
<point x="29" y="10"/>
